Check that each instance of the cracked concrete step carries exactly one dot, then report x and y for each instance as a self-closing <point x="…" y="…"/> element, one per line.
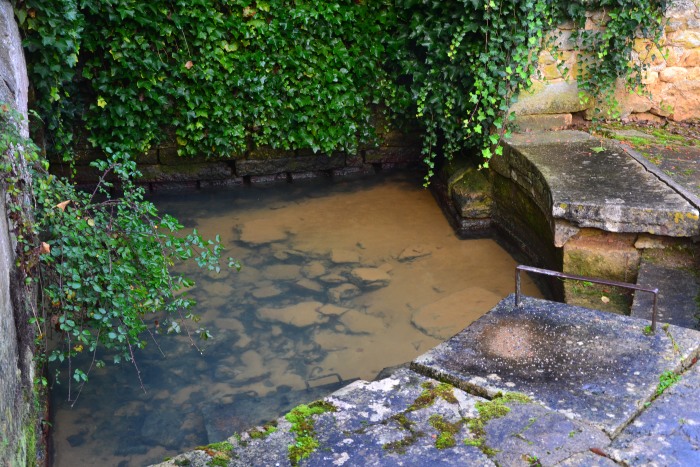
<point x="395" y="422"/>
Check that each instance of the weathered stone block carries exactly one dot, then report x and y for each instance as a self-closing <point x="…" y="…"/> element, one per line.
<point x="673" y="74"/>
<point x="399" y="138"/>
<point x="267" y="152"/>
<point x="600" y="255"/>
<point x="471" y="193"/>
<point x="150" y="157"/>
<point x="181" y="173"/>
<point x="545" y="122"/>
<point x="393" y="155"/>
<point x="556" y="98"/>
<point x="684" y="38"/>
<point x="289" y="164"/>
<point x="690" y="58"/>
<point x="682" y="100"/>
<point x="168" y="156"/>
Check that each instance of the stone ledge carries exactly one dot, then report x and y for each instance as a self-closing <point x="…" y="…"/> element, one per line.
<point x="587" y="182"/>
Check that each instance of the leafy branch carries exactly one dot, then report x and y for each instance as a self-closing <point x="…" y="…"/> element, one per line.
<point x="104" y="264"/>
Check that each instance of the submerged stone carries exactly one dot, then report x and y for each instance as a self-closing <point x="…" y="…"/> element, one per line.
<point x="414" y="252"/>
<point x="266" y="292"/>
<point x="339" y="256"/>
<point x="262" y="231"/>
<point x="447" y="316"/>
<point x="308" y="284"/>
<point x="282" y="272"/>
<point x="313" y="270"/>
<point x="343" y="292"/>
<point x="300" y="315"/>
<point x="373" y="278"/>
<point x="358" y="322"/>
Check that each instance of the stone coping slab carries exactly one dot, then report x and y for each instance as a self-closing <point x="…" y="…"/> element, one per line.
<point x="590" y="182"/>
<point x="668" y="432"/>
<point x="590" y="365"/>
<point x="392" y="422"/>
<point x="380" y="423"/>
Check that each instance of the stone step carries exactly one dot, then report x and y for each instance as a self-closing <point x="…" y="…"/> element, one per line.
<point x="679" y="293"/>
<point x="594" y="366"/>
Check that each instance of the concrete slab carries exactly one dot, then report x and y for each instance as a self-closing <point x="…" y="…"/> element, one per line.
<point x="589" y="365"/>
<point x="678" y="291"/>
<point x="589" y="182"/>
<point x="530" y="432"/>
<point x="668" y="432"/>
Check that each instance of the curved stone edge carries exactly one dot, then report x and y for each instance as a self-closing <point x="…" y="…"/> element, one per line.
<point x="566" y="216"/>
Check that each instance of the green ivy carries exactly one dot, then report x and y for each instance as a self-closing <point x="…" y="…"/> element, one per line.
<point x="467" y="60"/>
<point x="230" y="75"/>
<point x="104" y="264"/>
<point x="606" y="50"/>
<point x="226" y="75"/>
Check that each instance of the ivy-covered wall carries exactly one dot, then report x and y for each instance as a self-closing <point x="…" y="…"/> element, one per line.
<point x="18" y="410"/>
<point x="672" y="79"/>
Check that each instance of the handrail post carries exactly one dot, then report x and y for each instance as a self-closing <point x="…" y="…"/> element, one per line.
<point x="517" y="286"/>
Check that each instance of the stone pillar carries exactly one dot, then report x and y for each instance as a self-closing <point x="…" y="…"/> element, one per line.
<point x="19" y="428"/>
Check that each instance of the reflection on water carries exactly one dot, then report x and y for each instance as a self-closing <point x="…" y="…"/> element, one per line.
<point x="339" y="281"/>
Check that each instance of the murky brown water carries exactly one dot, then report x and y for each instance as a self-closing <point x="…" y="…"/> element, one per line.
<point x="339" y="281"/>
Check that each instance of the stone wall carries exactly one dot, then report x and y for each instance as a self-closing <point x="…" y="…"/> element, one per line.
<point x="19" y="430"/>
<point x="673" y="78"/>
<point x="162" y="168"/>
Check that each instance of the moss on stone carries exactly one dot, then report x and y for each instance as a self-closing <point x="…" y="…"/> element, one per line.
<point x="430" y="393"/>
<point x="220" y="453"/>
<point x="301" y="418"/>
<point x="489" y="410"/>
<point x="446" y="431"/>
<point x="400" y="446"/>
<point x="263" y="431"/>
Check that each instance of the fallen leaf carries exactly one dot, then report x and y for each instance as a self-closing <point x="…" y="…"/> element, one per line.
<point x="604" y="299"/>
<point x="62" y="205"/>
<point x="189" y="64"/>
<point x="45" y="248"/>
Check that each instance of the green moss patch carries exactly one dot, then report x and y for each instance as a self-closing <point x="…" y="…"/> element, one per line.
<point x="301" y="418"/>
<point x="220" y="453"/>
<point x="489" y="410"/>
<point x="446" y="431"/>
<point x="430" y="393"/>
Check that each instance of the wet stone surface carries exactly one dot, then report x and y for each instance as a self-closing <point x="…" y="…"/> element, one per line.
<point x="529" y="431"/>
<point x="590" y="365"/>
<point x="380" y="423"/>
<point x="668" y="432"/>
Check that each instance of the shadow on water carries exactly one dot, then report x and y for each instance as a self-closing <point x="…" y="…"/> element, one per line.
<point x="339" y="280"/>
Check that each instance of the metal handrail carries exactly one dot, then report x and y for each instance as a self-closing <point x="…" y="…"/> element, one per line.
<point x="563" y="275"/>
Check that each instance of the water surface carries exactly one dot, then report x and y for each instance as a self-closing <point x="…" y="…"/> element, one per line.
<point x="339" y="281"/>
